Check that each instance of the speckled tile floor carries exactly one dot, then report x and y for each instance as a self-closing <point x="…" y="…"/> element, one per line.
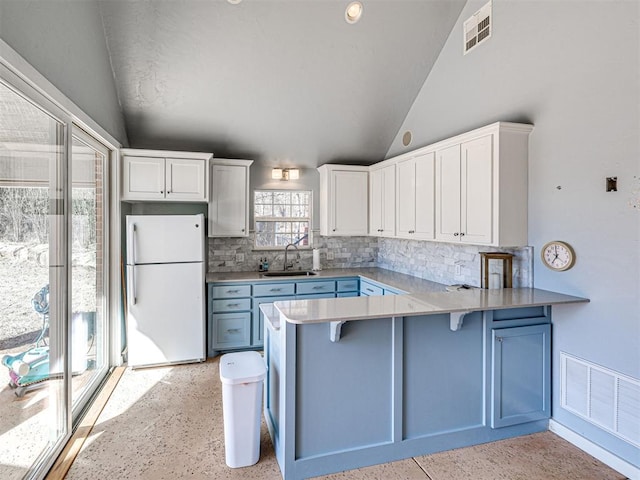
<point x="166" y="423"/>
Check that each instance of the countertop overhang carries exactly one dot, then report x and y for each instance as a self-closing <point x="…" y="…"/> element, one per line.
<point x="423" y="297"/>
<point x="428" y="303"/>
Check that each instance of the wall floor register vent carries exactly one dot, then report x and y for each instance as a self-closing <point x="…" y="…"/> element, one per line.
<point x="477" y="29"/>
<point x="601" y="396"/>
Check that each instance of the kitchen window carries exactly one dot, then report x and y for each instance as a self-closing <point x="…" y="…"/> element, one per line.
<point x="282" y="217"/>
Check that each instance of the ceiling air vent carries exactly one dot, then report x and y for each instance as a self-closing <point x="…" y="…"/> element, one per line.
<point x="477" y="29"/>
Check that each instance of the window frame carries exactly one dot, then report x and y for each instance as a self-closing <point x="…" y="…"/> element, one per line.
<point x="257" y="218"/>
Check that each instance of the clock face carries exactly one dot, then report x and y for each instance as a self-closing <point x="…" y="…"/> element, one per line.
<point x="558" y="256"/>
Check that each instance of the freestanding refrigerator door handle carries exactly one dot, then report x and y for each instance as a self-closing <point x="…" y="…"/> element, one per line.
<point x="132" y="235"/>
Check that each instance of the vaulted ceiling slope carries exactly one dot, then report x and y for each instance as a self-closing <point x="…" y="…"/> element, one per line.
<point x="278" y="81"/>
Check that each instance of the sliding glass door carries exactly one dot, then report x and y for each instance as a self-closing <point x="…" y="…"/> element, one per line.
<point x="33" y="283"/>
<point x="54" y="264"/>
<point x="89" y="266"/>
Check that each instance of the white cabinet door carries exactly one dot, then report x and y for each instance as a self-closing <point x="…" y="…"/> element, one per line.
<point x="424" y="196"/>
<point x="349" y="202"/>
<point x="376" y="194"/>
<point x="448" y="194"/>
<point x="389" y="201"/>
<point x="415" y="197"/>
<point x="229" y="201"/>
<point x="382" y="202"/>
<point x="185" y="179"/>
<point x="406" y="195"/>
<point x="476" y="216"/>
<point x="143" y="178"/>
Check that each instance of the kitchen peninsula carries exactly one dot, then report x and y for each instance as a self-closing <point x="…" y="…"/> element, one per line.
<point x="359" y="381"/>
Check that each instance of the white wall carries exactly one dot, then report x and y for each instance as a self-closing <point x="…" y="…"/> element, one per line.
<point x="572" y="69"/>
<point x="65" y="42"/>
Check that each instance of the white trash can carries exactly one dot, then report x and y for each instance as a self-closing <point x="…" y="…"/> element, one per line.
<point x="242" y="375"/>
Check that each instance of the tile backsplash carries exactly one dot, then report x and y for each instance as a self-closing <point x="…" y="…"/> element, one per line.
<point x="437" y="261"/>
<point x="433" y="261"/>
<point x="335" y="252"/>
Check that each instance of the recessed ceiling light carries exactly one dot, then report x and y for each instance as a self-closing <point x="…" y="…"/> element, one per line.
<point x="234" y="2"/>
<point x="353" y="12"/>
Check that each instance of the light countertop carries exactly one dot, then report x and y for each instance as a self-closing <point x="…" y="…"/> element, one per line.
<point x="428" y="303"/>
<point x="424" y="297"/>
<point x="400" y="281"/>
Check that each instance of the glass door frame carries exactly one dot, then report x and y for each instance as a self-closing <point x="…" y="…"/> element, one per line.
<point x="98" y="378"/>
<point x="26" y="81"/>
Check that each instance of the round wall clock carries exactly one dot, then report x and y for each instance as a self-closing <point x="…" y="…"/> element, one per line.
<point x="558" y="256"/>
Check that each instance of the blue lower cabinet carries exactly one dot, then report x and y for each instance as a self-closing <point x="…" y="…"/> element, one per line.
<point x="258" y="317"/>
<point x="369" y="289"/>
<point x="231" y="330"/>
<point x="520" y="375"/>
<point x="425" y="387"/>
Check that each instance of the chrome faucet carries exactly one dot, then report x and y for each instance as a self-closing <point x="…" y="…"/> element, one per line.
<point x="286" y="251"/>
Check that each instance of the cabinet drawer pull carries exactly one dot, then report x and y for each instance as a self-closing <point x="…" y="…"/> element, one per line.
<point x="369" y="290"/>
<point x="233" y="330"/>
<point x="275" y="290"/>
<point x="232" y="305"/>
<point x="499" y="339"/>
<point x="318" y="287"/>
<point x="233" y="291"/>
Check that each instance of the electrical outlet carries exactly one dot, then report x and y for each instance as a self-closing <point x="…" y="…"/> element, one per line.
<point x="330" y="256"/>
<point x="458" y="270"/>
<point x="239" y="257"/>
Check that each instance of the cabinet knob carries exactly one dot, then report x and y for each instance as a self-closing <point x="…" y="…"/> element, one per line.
<point x="462" y="234"/>
<point x="161" y="191"/>
<point x="242" y="230"/>
<point x="334" y="229"/>
<point x="456" y="234"/>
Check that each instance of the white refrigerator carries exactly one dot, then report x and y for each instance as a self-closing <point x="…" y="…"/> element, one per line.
<point x="165" y="289"/>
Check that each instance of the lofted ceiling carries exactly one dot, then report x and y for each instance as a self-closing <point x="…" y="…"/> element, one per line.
<point x="278" y="81"/>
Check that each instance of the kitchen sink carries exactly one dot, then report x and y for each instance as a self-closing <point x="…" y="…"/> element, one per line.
<point x="290" y="273"/>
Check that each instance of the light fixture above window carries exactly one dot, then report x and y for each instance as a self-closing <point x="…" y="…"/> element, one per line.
<point x="285" y="174"/>
<point x="353" y="12"/>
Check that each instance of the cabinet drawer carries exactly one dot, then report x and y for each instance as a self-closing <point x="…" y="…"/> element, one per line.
<point x="314" y="296"/>
<point x="348" y="285"/>
<point x="231" y="305"/>
<point x="305" y="288"/>
<point x="231" y="291"/>
<point x="346" y="294"/>
<point x="367" y="288"/>
<point x="232" y="329"/>
<point x="273" y="289"/>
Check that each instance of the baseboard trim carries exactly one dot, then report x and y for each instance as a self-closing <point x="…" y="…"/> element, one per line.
<point x="596" y="451"/>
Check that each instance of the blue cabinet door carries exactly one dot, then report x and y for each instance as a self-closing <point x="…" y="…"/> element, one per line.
<point x="257" y="337"/>
<point x="520" y="369"/>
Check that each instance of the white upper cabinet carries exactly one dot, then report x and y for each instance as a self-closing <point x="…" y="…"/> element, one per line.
<point x="158" y="175"/>
<point x="229" y="198"/>
<point x="481" y="186"/>
<point x="415" y="197"/>
<point x="344" y="198"/>
<point x="382" y="201"/>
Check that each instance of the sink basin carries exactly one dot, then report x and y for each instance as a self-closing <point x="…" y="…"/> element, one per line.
<point x="290" y="273"/>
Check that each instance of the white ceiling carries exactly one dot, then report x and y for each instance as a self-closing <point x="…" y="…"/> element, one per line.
<point x="278" y="81"/>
